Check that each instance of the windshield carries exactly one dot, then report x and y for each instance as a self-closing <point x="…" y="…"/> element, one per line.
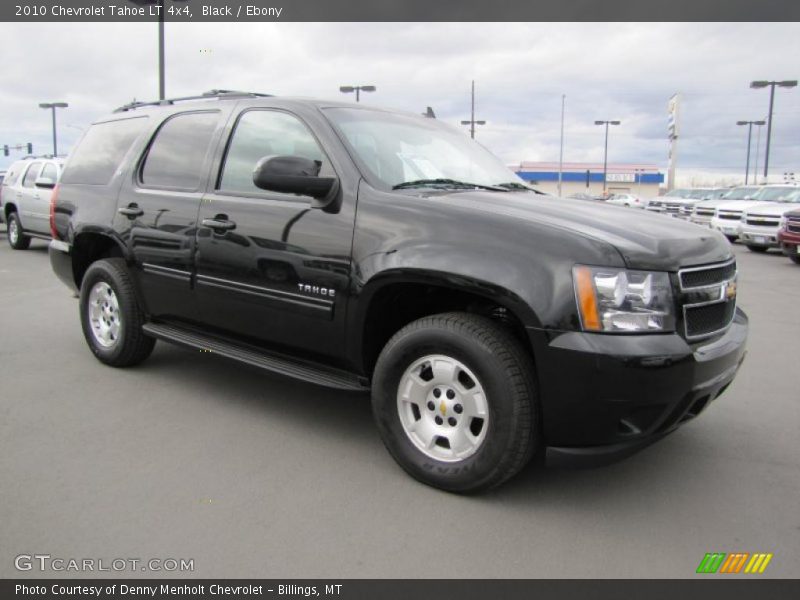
<point x="776" y="194"/>
<point x="406" y="151"/>
<point x="741" y="193"/>
<point x="677" y="193"/>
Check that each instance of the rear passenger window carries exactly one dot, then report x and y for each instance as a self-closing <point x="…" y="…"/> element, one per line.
<point x="261" y="133"/>
<point x="177" y="154"/>
<point x="101" y="151"/>
<point x="50" y="171"/>
<point x="31" y="175"/>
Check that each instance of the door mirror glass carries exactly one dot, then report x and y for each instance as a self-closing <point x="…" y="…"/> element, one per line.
<point x="294" y="175"/>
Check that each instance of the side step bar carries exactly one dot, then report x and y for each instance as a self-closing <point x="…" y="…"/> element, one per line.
<point x="277" y="363"/>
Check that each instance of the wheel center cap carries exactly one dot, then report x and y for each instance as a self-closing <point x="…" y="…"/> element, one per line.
<point x="443" y="408"/>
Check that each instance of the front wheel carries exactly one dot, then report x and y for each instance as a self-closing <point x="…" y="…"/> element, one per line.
<point x="795" y="257"/>
<point x="757" y="249"/>
<point x="16" y="238"/>
<point x="454" y="399"/>
<point x="110" y="315"/>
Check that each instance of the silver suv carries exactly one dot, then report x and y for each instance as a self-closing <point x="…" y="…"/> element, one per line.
<point x="25" y="199"/>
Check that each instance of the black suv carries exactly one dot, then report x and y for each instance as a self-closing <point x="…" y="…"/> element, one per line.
<point x="367" y="249"/>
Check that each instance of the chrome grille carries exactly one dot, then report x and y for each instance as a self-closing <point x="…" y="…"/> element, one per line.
<point x="708" y="299"/>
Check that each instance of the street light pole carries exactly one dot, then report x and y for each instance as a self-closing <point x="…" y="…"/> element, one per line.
<point x="749" y="138"/>
<point x="53" y="106"/>
<point x="161" y="70"/>
<point x="758" y="150"/>
<point x="561" y="148"/>
<point x="349" y="89"/>
<point x="771" y="85"/>
<point x="472" y="122"/>
<point x="605" y="153"/>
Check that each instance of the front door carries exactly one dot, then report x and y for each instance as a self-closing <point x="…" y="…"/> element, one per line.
<point x="29" y="201"/>
<point x="270" y="267"/>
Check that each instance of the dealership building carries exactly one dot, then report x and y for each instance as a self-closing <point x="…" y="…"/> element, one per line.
<point x="640" y="179"/>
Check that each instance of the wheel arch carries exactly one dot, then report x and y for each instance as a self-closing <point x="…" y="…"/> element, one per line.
<point x="91" y="245"/>
<point x="392" y="299"/>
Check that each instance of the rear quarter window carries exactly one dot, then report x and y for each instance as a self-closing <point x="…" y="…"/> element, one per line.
<point x="100" y="152"/>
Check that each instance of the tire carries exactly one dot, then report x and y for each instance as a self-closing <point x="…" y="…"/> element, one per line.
<point x="794" y="257"/>
<point x="732" y="238"/>
<point x="475" y="355"/>
<point x="16" y="238"/>
<point x="111" y="317"/>
<point x="758" y="249"/>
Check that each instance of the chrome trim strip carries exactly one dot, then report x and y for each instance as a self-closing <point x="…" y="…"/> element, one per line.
<point x="258" y="289"/>
<point x="166" y="271"/>
<point x="264" y="293"/>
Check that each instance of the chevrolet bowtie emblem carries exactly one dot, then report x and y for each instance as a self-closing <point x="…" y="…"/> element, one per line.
<point x="730" y="290"/>
<point x="443" y="408"/>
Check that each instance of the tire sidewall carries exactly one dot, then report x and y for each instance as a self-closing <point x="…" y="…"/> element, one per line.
<point x="13" y="221"/>
<point x="102" y="271"/>
<point x="454" y="476"/>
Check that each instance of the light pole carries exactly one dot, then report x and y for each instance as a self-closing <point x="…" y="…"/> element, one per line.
<point x="605" y="153"/>
<point x="749" y="137"/>
<point x="472" y="122"/>
<point x="561" y="146"/>
<point x="349" y="89"/>
<point x="771" y="84"/>
<point x="758" y="150"/>
<point x="161" y="69"/>
<point x="53" y="106"/>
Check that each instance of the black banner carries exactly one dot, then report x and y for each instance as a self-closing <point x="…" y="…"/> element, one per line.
<point x="399" y="10"/>
<point x="389" y="589"/>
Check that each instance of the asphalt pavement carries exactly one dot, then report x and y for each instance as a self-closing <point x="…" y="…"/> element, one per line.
<point x="190" y="456"/>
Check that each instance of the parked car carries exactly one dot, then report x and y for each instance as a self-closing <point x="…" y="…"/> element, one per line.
<point x="703" y="211"/>
<point x="696" y="196"/>
<point x="728" y="212"/>
<point x="758" y="229"/>
<point x="25" y="199"/>
<point x="789" y="236"/>
<point x="580" y="196"/>
<point x="366" y="249"/>
<point x="670" y="203"/>
<point x="629" y="200"/>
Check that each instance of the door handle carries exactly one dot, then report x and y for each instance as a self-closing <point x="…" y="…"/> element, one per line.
<point x="219" y="223"/>
<point x="131" y="211"/>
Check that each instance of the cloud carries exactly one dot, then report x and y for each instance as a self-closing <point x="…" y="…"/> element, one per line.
<point x="623" y="71"/>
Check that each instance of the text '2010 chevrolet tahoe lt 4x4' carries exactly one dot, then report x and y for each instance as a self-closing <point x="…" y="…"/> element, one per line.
<point x="366" y="249"/>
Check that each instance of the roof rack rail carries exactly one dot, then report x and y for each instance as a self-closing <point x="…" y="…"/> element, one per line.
<point x="220" y="94"/>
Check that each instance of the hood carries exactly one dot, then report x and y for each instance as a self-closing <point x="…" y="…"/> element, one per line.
<point x="741" y="205"/>
<point x="773" y="208"/>
<point x="645" y="240"/>
<point x="711" y="203"/>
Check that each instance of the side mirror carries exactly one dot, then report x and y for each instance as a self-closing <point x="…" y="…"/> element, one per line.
<point x="44" y="182"/>
<point x="295" y="175"/>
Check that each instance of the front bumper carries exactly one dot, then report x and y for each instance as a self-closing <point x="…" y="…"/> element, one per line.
<point x="604" y="397"/>
<point x="789" y="242"/>
<point x="728" y="227"/>
<point x="753" y="235"/>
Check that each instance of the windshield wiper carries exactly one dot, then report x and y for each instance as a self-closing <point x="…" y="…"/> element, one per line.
<point x="513" y="185"/>
<point x="447" y="183"/>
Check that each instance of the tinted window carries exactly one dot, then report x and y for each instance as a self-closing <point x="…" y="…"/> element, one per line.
<point x="31" y="174"/>
<point x="101" y="151"/>
<point x="177" y="154"/>
<point x="50" y="171"/>
<point x="261" y="133"/>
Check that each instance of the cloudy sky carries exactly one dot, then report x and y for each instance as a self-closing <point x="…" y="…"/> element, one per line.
<point x="607" y="71"/>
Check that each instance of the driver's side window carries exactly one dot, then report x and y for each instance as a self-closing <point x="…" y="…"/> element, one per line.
<point x="261" y="133"/>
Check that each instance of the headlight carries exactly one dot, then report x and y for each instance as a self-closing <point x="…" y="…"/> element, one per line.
<point x="619" y="300"/>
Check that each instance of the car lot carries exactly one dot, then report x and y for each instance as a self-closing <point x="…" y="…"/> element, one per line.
<point x="192" y="456"/>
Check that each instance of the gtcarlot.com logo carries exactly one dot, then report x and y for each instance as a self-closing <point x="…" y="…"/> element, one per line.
<point x="735" y="562"/>
<point x="45" y="562"/>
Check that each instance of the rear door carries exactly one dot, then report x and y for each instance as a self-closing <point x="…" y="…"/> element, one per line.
<point x="39" y="199"/>
<point x="269" y="266"/>
<point x="157" y="209"/>
<point x="27" y="199"/>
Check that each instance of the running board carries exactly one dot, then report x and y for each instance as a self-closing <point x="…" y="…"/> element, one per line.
<point x="269" y="361"/>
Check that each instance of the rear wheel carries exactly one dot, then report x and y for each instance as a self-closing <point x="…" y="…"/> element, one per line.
<point x="16" y="238"/>
<point x="454" y="400"/>
<point x="759" y="249"/>
<point x="111" y="316"/>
